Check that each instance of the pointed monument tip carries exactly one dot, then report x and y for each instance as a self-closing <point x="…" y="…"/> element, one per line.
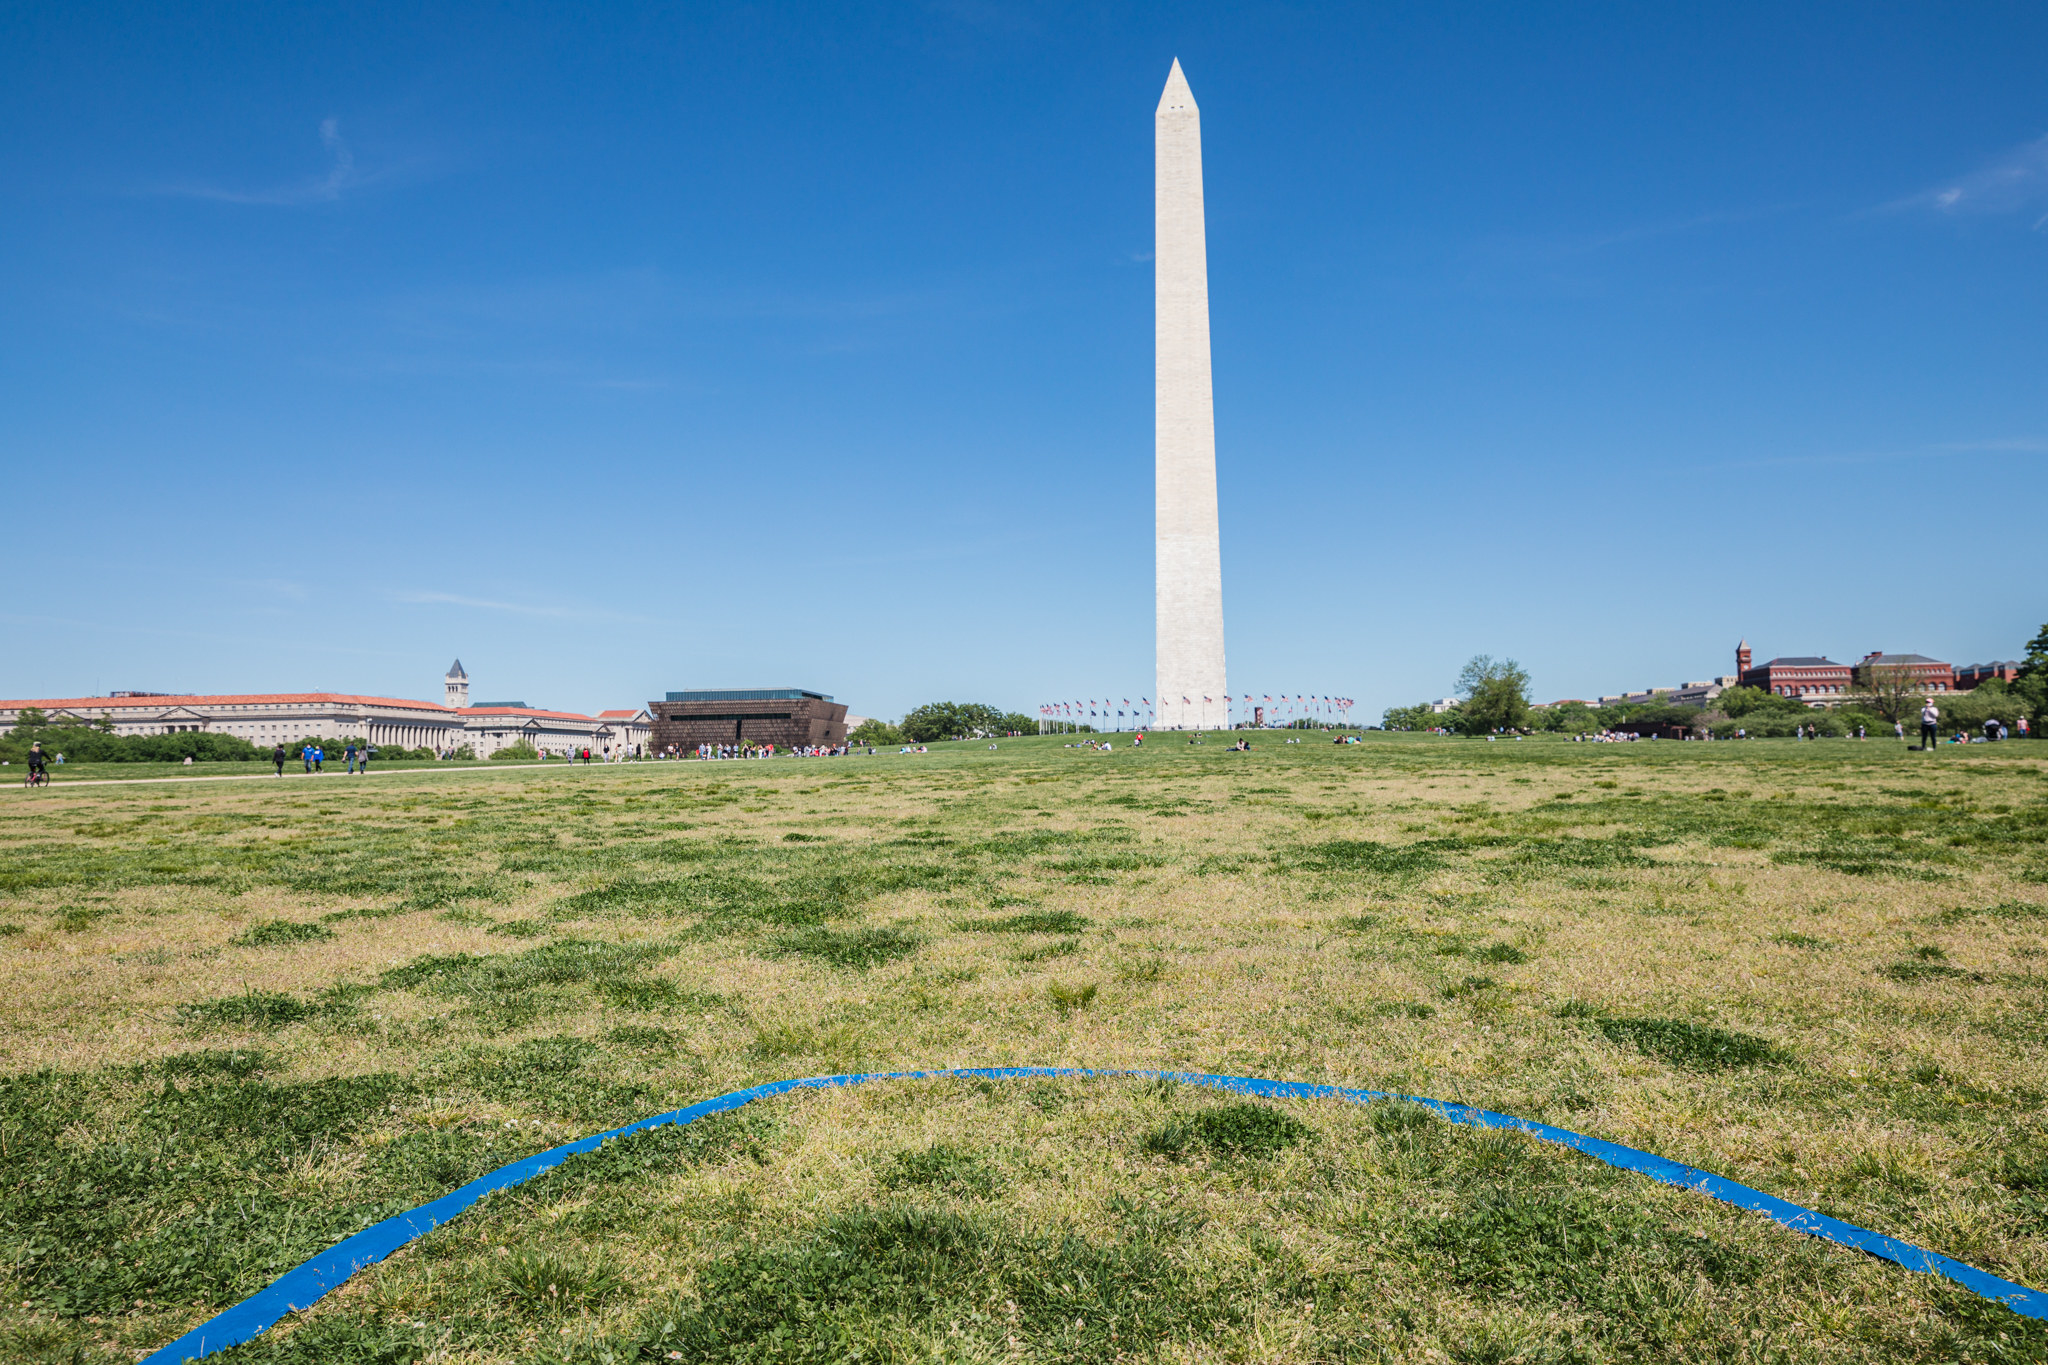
<point x="1177" y="96"/>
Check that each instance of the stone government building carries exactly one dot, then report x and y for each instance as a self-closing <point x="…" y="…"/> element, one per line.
<point x="787" y="717"/>
<point x="265" y="719"/>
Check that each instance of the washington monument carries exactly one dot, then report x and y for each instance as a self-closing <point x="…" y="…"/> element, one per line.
<point x="1189" y="563"/>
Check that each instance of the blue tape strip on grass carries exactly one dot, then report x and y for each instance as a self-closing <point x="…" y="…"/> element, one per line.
<point x="302" y="1287"/>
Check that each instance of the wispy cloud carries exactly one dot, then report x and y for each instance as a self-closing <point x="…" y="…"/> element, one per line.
<point x="341" y="177"/>
<point x="2016" y="182"/>
<point x="428" y="597"/>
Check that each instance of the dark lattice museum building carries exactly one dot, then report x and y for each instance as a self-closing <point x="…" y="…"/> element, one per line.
<point x="783" y="716"/>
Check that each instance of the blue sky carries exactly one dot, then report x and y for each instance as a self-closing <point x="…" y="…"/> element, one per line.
<point x="625" y="348"/>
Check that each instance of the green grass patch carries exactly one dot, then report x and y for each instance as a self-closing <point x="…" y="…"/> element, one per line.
<point x="1030" y="922"/>
<point x="278" y="933"/>
<point x="850" y="949"/>
<point x="1697" y="1047"/>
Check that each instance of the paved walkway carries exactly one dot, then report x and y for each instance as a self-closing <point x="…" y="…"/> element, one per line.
<point x="59" y="784"/>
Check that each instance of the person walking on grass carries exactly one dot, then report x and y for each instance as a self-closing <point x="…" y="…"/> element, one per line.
<point x="277" y="757"/>
<point x="350" y="754"/>
<point x="1930" y="722"/>
<point x="319" y="758"/>
<point x="306" y="756"/>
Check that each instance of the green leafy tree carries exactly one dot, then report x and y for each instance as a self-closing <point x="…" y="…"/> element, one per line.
<point x="1738" y="702"/>
<point x="1416" y="717"/>
<point x="954" y="720"/>
<point x="1566" y="718"/>
<point x="2032" y="683"/>
<point x="1496" y="695"/>
<point x="875" y="732"/>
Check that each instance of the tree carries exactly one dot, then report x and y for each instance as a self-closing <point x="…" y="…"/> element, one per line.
<point x="1891" y="690"/>
<point x="1566" y="718"/>
<point x="1737" y="702"/>
<point x="1416" y="717"/>
<point x="2032" y="682"/>
<point x="873" y="731"/>
<point x="937" y="720"/>
<point x="1496" y="693"/>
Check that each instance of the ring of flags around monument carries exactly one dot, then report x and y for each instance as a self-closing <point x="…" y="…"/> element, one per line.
<point x="1278" y="710"/>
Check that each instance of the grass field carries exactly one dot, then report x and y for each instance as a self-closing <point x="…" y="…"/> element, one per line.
<point x="243" y="1020"/>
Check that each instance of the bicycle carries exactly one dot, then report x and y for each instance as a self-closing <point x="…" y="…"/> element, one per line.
<point x="37" y="777"/>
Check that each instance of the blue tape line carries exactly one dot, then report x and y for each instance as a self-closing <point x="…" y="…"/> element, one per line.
<point x="302" y="1287"/>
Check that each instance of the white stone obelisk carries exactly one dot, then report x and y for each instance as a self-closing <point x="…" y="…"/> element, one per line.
<point x="1189" y="564"/>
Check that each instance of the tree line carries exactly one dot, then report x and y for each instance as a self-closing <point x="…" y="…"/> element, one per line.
<point x="1494" y="698"/>
<point x="940" y="720"/>
<point x="94" y="741"/>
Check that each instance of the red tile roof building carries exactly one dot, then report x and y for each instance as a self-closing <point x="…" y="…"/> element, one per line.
<point x="269" y="718"/>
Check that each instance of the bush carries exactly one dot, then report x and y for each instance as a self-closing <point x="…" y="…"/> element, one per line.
<point x="83" y="741"/>
<point x="1739" y="703"/>
<point x="522" y="752"/>
<point x="1992" y="700"/>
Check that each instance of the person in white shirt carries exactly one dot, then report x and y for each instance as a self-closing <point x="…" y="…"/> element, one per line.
<point x="1930" y="719"/>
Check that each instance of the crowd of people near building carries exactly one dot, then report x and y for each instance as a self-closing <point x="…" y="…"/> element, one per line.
<point x="714" y="752"/>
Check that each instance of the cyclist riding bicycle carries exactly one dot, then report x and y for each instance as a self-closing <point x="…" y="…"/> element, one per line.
<point x="38" y="764"/>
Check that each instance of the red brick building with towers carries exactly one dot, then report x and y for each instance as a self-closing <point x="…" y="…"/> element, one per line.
<point x="1808" y="677"/>
<point x="1931" y="674"/>
<point x="1823" y="682"/>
